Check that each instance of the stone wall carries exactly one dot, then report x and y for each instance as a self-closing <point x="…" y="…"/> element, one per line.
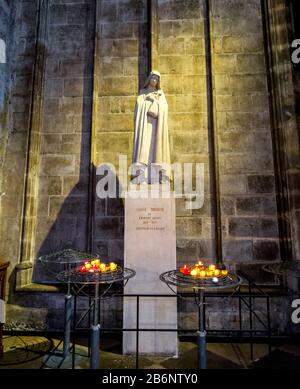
<point x="181" y="61"/>
<point x="63" y="179"/>
<point x="87" y="119"/>
<point x="5" y="33"/>
<point x="250" y="230"/>
<point x="242" y="119"/>
<point x="121" y="68"/>
<point x="247" y="184"/>
<point x="21" y="50"/>
<point x="224" y="314"/>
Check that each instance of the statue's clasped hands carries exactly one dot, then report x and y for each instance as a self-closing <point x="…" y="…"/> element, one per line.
<point x="152" y="96"/>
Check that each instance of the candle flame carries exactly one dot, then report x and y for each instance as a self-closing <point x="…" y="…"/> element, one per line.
<point x="95" y="265"/>
<point x="200" y="270"/>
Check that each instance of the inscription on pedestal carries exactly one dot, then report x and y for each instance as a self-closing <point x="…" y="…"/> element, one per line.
<point x="150" y="219"/>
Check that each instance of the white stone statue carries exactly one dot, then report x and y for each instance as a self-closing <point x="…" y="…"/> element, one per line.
<point x="151" y="150"/>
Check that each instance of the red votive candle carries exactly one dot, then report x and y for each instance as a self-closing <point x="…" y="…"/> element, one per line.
<point x="185" y="270"/>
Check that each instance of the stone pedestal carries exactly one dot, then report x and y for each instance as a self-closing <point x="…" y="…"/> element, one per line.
<point x="150" y="249"/>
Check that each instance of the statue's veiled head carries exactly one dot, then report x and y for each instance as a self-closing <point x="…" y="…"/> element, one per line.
<point x="153" y="80"/>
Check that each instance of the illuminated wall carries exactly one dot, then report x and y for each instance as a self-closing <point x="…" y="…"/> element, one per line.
<point x="63" y="175"/>
<point x="73" y="110"/>
<point x="17" y="27"/>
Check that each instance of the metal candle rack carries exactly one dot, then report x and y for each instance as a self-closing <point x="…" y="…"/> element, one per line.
<point x="60" y="261"/>
<point x="200" y="285"/>
<point x="74" y="276"/>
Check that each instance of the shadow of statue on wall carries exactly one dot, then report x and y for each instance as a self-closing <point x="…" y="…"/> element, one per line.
<point x="83" y="221"/>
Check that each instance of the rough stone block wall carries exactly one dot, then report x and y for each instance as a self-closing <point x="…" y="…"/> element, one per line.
<point x="121" y="69"/>
<point x="242" y="119"/>
<point x="21" y="26"/>
<point x="224" y="314"/>
<point x="249" y="216"/>
<point x="65" y="134"/>
<point x="5" y="33"/>
<point x="181" y="61"/>
<point x="250" y="232"/>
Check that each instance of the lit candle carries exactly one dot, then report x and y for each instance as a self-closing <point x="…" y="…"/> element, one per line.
<point x="103" y="267"/>
<point x="113" y="266"/>
<point x="185" y="270"/>
<point x="194" y="272"/>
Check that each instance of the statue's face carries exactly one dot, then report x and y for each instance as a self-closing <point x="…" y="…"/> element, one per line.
<point x="154" y="81"/>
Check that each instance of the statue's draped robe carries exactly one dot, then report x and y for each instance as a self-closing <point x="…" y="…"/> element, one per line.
<point x="143" y="135"/>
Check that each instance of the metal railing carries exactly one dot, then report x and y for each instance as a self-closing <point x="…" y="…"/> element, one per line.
<point x="246" y="305"/>
<point x="246" y="294"/>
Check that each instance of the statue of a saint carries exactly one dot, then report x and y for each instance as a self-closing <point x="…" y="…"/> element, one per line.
<point x="151" y="150"/>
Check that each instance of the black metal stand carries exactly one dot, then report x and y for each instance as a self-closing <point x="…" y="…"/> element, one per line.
<point x="82" y="280"/>
<point x="67" y="259"/>
<point x="95" y="332"/>
<point x="175" y="278"/>
<point x="67" y="324"/>
<point x="201" y="335"/>
<point x="68" y="319"/>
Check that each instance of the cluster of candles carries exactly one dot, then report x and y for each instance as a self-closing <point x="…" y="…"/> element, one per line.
<point x="96" y="266"/>
<point x="199" y="270"/>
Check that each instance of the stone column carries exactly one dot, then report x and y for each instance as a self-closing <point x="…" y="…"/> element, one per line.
<point x="29" y="211"/>
<point x="284" y="132"/>
<point x="153" y="31"/>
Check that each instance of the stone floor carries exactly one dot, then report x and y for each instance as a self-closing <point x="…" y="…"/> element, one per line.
<point x="25" y="352"/>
